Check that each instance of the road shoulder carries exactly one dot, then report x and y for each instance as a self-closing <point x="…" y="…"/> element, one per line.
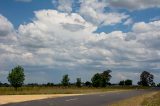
<point x="6" y="99"/>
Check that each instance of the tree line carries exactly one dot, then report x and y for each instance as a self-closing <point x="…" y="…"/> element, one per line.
<point x="17" y="76"/>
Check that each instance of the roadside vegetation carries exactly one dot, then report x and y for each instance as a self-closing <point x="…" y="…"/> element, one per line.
<point x="152" y="100"/>
<point x="136" y="101"/>
<point x="100" y="82"/>
<point x="26" y="90"/>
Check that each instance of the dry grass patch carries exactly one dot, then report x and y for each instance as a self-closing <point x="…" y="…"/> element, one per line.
<point x="134" y="101"/>
<point x="152" y="101"/>
<point x="57" y="90"/>
<point x="5" y="99"/>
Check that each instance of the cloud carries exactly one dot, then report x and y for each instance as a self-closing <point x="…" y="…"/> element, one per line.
<point x="155" y="18"/>
<point x="133" y="4"/>
<point x="148" y="34"/>
<point x="94" y="11"/>
<point x="7" y="32"/>
<point x="6" y="26"/>
<point x="99" y="5"/>
<point x="114" y="18"/>
<point x="146" y="27"/>
<point x="129" y="21"/>
<point x="46" y="45"/>
<point x="64" y="5"/>
<point x="134" y="76"/>
<point x="73" y="27"/>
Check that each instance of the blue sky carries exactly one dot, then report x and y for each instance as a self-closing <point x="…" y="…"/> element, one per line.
<point x="51" y="38"/>
<point x="25" y="12"/>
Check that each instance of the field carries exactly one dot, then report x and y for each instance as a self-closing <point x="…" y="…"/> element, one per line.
<point x="61" y="90"/>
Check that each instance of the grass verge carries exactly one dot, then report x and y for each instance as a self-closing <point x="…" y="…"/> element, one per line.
<point x="135" y="101"/>
<point x="152" y="101"/>
<point x="60" y="90"/>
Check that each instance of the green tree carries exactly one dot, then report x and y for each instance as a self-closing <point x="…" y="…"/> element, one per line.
<point x="50" y="84"/>
<point x="88" y="84"/>
<point x="105" y="78"/>
<point x="158" y="85"/>
<point x="128" y="82"/>
<point x="101" y="79"/>
<point x="96" y="80"/>
<point x="78" y="83"/>
<point x="146" y="79"/>
<point x="0" y="84"/>
<point x="122" y="82"/>
<point x="65" y="80"/>
<point x="16" y="77"/>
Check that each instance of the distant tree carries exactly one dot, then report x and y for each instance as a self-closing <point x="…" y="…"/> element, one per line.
<point x="146" y="79"/>
<point x="158" y="85"/>
<point x="1" y="84"/>
<point x="65" y="80"/>
<point x="33" y="84"/>
<point x="105" y="78"/>
<point x="87" y="83"/>
<point x="78" y="83"/>
<point x="108" y="83"/>
<point x="101" y="79"/>
<point x="153" y="84"/>
<point x="139" y="83"/>
<point x="122" y="82"/>
<point x="50" y="84"/>
<point x="128" y="82"/>
<point x="96" y="80"/>
<point x="16" y="77"/>
<point x="6" y="85"/>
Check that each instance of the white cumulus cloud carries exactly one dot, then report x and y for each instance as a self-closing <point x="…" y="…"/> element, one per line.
<point x="133" y="4"/>
<point x="61" y="41"/>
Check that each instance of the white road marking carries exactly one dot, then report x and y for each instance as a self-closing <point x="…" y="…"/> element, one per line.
<point x="101" y="95"/>
<point x="71" y="99"/>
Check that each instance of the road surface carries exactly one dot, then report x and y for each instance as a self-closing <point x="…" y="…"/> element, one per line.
<point x="101" y="99"/>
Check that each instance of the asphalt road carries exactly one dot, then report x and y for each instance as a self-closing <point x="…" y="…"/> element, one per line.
<point x="101" y="99"/>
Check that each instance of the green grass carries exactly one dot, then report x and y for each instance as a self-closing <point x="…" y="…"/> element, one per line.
<point x="61" y="90"/>
<point x="152" y="101"/>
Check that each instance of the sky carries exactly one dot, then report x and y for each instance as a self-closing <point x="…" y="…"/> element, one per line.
<point x="50" y="38"/>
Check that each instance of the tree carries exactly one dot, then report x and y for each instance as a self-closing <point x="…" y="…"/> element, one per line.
<point x="153" y="84"/>
<point x="16" y="77"/>
<point x="146" y="79"/>
<point x="78" y="83"/>
<point x="158" y="85"/>
<point x="101" y="79"/>
<point x="87" y="83"/>
<point x="65" y="80"/>
<point x="128" y="82"/>
<point x="50" y="84"/>
<point x="105" y="78"/>
<point x="96" y="80"/>
<point x="1" y="84"/>
<point x="122" y="82"/>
